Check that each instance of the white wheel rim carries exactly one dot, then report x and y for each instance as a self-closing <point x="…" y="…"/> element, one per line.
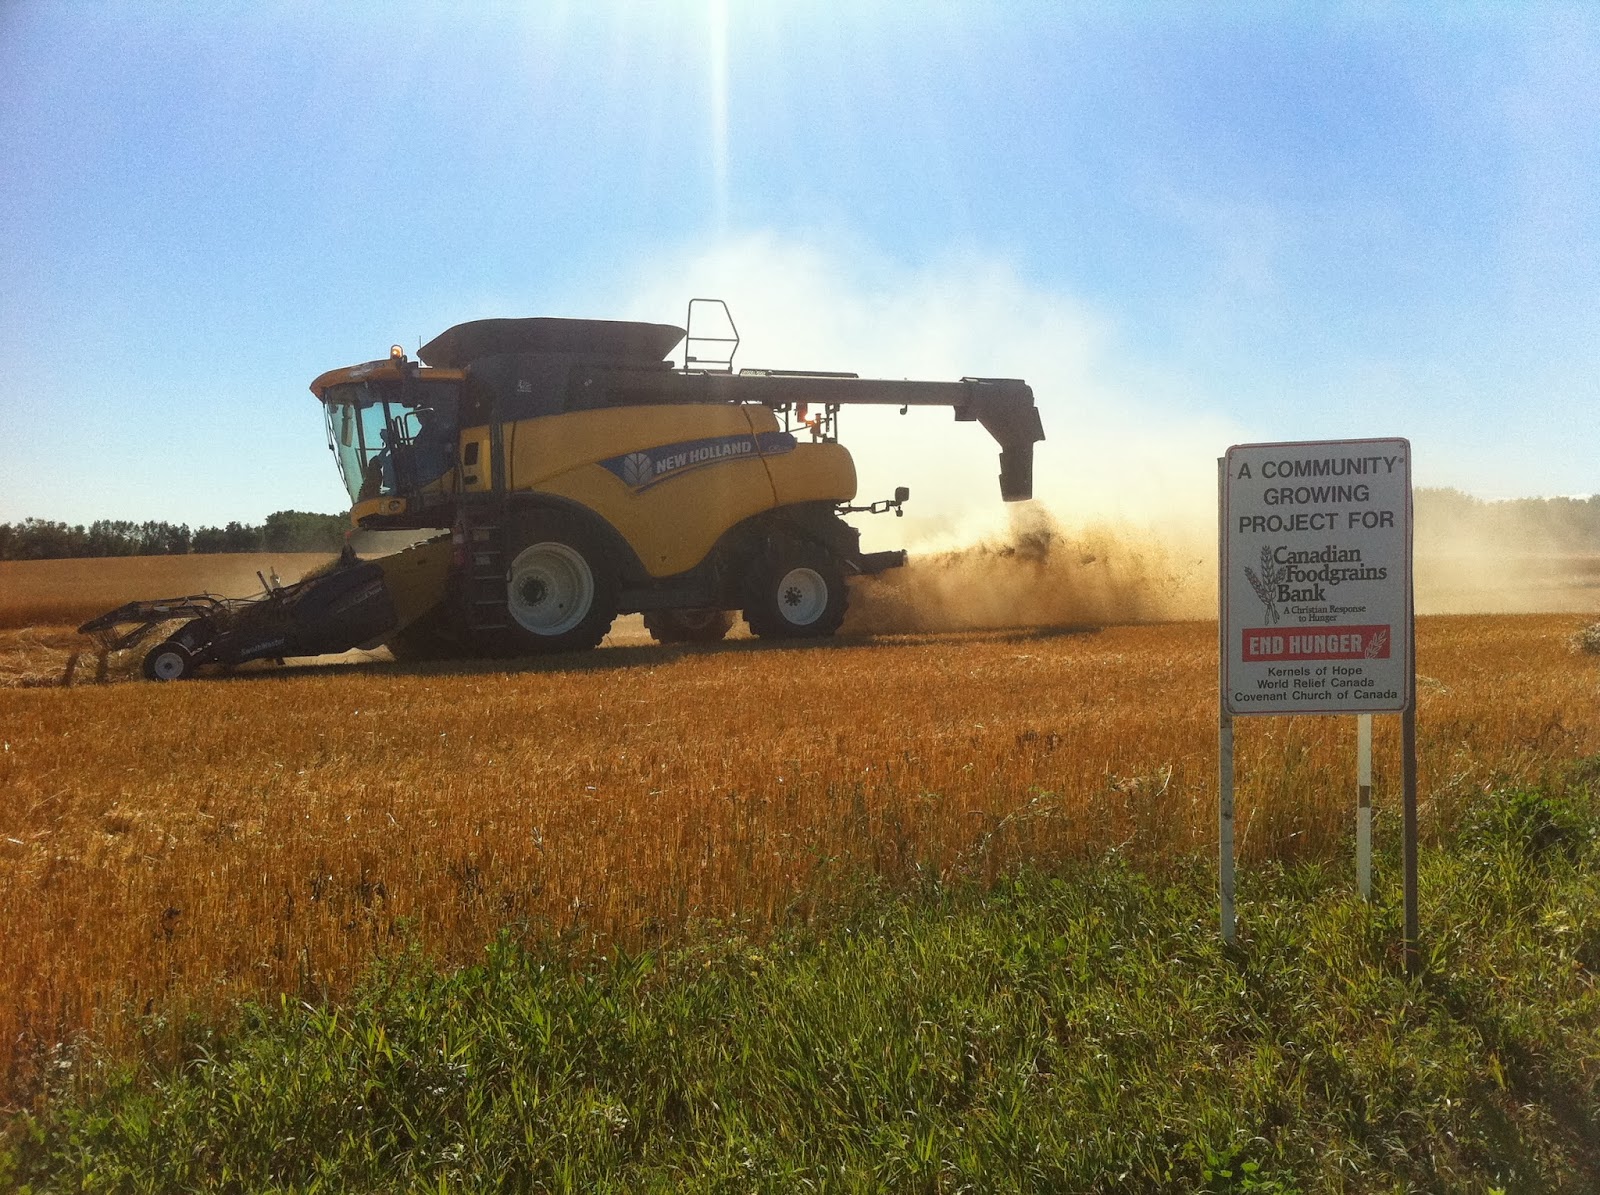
<point x="551" y="589"/>
<point x="802" y="596"/>
<point x="167" y="666"/>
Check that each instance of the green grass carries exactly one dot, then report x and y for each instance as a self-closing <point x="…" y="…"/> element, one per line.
<point x="1076" y="1031"/>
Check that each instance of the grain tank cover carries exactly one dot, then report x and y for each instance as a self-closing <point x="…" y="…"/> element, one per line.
<point x="623" y="341"/>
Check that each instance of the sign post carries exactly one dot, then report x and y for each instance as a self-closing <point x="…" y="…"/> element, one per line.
<point x="1225" y="825"/>
<point x="1316" y="608"/>
<point x="1408" y="784"/>
<point x="1224" y="767"/>
<point x="1364" y="805"/>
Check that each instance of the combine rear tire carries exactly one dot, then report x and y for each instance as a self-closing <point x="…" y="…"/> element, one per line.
<point x="798" y="595"/>
<point x="688" y="626"/>
<point x="168" y="661"/>
<point x="560" y="594"/>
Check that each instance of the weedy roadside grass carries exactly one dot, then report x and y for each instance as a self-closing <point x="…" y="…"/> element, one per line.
<point x="1587" y="639"/>
<point x="1075" y="1030"/>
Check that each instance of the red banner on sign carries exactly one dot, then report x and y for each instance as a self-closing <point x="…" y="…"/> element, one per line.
<point x="1328" y="643"/>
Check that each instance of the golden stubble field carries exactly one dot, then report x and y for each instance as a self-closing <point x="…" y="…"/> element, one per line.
<point x="166" y="849"/>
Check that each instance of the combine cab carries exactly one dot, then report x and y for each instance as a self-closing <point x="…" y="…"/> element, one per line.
<point x="579" y="475"/>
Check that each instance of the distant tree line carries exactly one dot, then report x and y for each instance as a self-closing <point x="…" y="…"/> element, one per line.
<point x="283" y="531"/>
<point x="1442" y="515"/>
<point x="1528" y="524"/>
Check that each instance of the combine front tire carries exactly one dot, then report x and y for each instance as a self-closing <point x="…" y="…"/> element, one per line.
<point x="688" y="626"/>
<point x="797" y="595"/>
<point x="168" y="661"/>
<point x="560" y="593"/>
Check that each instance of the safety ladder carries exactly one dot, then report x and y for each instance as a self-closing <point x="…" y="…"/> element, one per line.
<point x="483" y="589"/>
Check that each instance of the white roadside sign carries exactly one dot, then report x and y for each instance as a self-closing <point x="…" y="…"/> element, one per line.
<point x="1316" y="578"/>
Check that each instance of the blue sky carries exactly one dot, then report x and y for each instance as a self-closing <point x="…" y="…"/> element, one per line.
<point x="1188" y="228"/>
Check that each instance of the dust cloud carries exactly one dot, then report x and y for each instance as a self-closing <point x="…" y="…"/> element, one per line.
<point x="244" y="579"/>
<point x="1524" y="555"/>
<point x="1040" y="573"/>
<point x="1459" y="571"/>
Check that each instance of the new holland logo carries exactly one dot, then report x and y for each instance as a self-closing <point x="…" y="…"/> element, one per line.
<point x="646" y="467"/>
<point x="638" y="469"/>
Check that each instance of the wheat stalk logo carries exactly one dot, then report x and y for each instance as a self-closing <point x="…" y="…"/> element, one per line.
<point x="1265" y="584"/>
<point x="1375" y="647"/>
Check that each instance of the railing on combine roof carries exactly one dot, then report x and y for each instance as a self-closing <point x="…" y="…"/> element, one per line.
<point x="709" y="363"/>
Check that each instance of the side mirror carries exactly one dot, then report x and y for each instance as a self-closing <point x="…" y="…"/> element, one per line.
<point x="902" y="493"/>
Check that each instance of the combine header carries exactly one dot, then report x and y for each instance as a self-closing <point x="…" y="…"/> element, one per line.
<point x="353" y="603"/>
<point x="570" y="473"/>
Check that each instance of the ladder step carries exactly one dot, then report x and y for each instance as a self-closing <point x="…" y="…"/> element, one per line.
<point x="483" y="595"/>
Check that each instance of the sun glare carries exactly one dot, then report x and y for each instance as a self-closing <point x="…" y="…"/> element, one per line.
<point x="717" y="51"/>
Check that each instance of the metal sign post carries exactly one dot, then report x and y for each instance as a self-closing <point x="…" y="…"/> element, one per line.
<point x="1224" y="765"/>
<point x="1225" y="825"/>
<point x="1408" y="783"/>
<point x="1316" y="613"/>
<point x="1364" y="805"/>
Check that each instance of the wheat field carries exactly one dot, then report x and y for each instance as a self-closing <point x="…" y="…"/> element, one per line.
<point x="166" y="849"/>
<point x="35" y="593"/>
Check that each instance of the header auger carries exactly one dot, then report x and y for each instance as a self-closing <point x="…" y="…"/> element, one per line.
<point x="570" y="473"/>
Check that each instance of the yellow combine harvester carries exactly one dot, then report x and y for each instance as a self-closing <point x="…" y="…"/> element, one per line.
<point x="580" y="475"/>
